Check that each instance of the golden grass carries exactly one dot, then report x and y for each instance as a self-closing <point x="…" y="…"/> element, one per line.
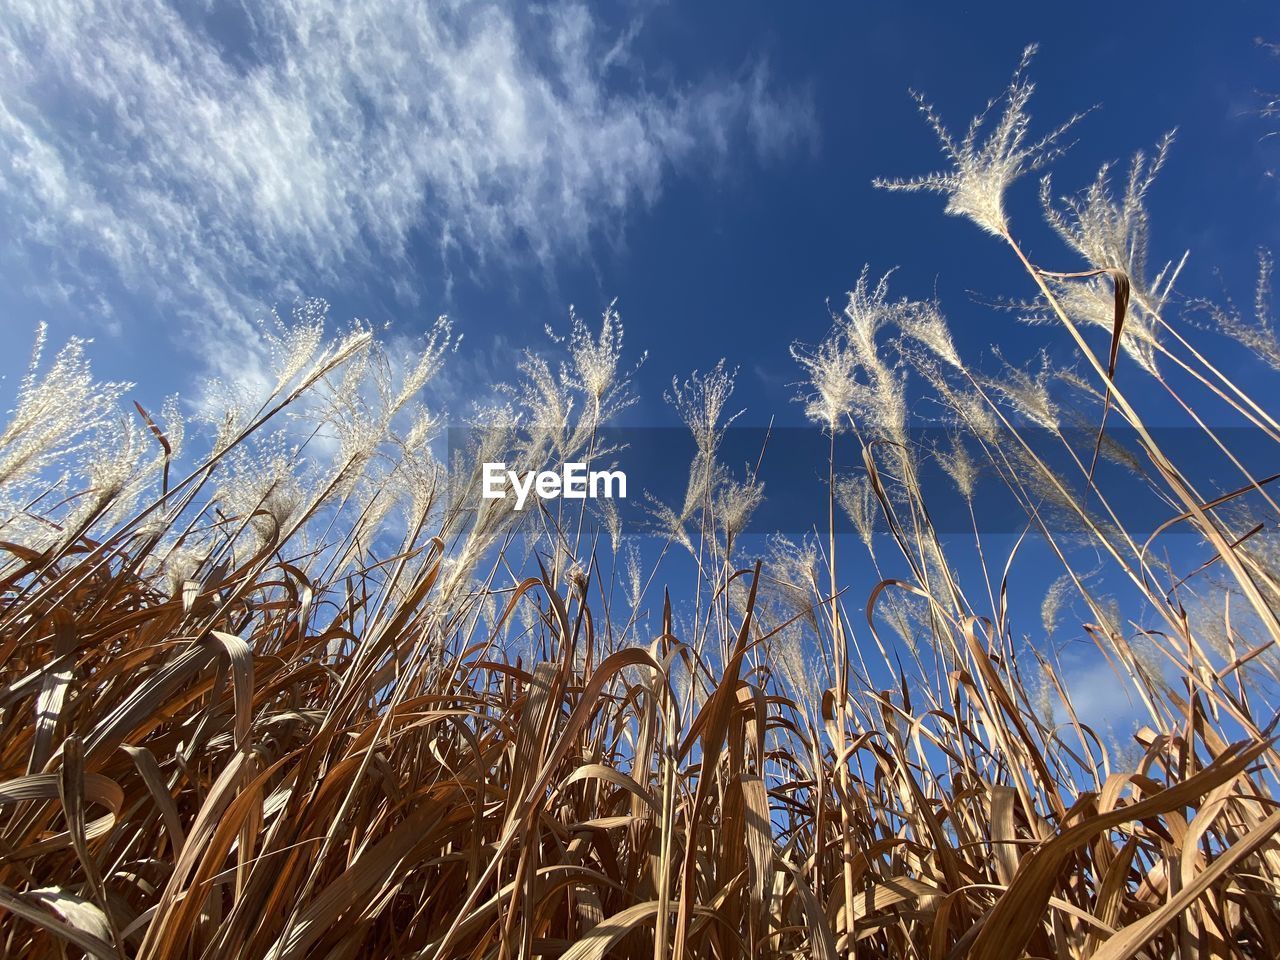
<point x="223" y="786"/>
<point x="303" y="747"/>
<point x="262" y="765"/>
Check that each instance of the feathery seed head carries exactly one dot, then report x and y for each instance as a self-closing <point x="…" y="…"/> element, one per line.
<point x="292" y="345"/>
<point x="1257" y="334"/>
<point x="849" y="379"/>
<point x="1113" y="233"/>
<point x="794" y="576"/>
<point x="859" y="502"/>
<point x="983" y="168"/>
<point x="59" y="415"/>
<point x="1054" y="599"/>
<point x="832" y="368"/>
<point x="923" y="322"/>
<point x="735" y="503"/>
<point x="596" y="358"/>
<point x="700" y="401"/>
<point x="1029" y="394"/>
<point x="959" y="465"/>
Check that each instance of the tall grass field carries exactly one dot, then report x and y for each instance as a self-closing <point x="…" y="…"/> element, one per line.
<point x="277" y="681"/>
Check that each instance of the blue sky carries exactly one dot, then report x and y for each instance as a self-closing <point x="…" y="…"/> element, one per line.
<point x="169" y="172"/>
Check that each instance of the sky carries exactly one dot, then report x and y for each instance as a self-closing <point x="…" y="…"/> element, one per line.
<point x="168" y="172"/>
<point x="172" y="171"/>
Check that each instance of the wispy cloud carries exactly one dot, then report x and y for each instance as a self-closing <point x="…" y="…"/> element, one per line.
<point x="208" y="162"/>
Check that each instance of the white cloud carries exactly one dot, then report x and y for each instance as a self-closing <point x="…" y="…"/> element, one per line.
<point x="205" y="162"/>
<point x="1102" y="701"/>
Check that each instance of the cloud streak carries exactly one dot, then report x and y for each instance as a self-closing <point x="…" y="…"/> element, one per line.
<point x="208" y="163"/>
